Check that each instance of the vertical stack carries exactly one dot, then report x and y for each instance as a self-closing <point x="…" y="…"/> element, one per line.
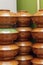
<point x="23" y="26"/>
<point x="8" y="34"/>
<point x="37" y="34"/>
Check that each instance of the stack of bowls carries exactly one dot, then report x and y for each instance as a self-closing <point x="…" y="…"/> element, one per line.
<point x="24" y="43"/>
<point x="8" y="34"/>
<point x="37" y="34"/>
<point x="23" y="25"/>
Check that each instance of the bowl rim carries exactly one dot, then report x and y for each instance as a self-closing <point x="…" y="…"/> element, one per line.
<point x="23" y="58"/>
<point x="25" y="43"/>
<point x="37" y="30"/>
<point x="37" y="45"/>
<point x="9" y="47"/>
<point x="23" y="29"/>
<point x="11" y="62"/>
<point x="8" y="31"/>
<point x="37" y="61"/>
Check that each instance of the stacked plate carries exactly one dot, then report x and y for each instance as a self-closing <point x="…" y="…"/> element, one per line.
<point x="24" y="43"/>
<point x="8" y="36"/>
<point x="37" y="34"/>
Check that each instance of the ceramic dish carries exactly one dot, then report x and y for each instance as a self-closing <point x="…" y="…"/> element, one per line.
<point x="25" y="47"/>
<point x="8" y="35"/>
<point x="24" y="60"/>
<point x="8" y="19"/>
<point x="8" y="51"/>
<point x="38" y="49"/>
<point x="37" y="61"/>
<point x="38" y="19"/>
<point x="24" y="33"/>
<point x="37" y="34"/>
<point x="23" y="18"/>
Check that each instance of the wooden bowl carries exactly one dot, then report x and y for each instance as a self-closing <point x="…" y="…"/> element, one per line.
<point x="25" y="47"/>
<point x="8" y="35"/>
<point x="8" y="51"/>
<point x="37" y="34"/>
<point x="8" y="19"/>
<point x="23" y="18"/>
<point x="24" y="60"/>
<point x="24" y="33"/>
<point x="38" y="19"/>
<point x="38" y="49"/>
<point x="9" y="62"/>
<point x="37" y="61"/>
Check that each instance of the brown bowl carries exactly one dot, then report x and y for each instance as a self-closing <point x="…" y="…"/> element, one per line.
<point x="24" y="33"/>
<point x="7" y="22"/>
<point x="8" y="35"/>
<point x="24" y="60"/>
<point x="38" y="19"/>
<point x="23" y="18"/>
<point x="37" y="34"/>
<point x="38" y="49"/>
<point x="25" y="47"/>
<point x="9" y="62"/>
<point x="8" y="51"/>
<point x="37" y="61"/>
<point x="8" y="19"/>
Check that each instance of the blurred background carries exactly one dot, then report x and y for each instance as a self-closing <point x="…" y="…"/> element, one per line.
<point x="16" y="5"/>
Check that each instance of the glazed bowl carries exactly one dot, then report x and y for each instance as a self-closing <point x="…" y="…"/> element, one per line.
<point x="37" y="61"/>
<point x="38" y="49"/>
<point x="8" y="51"/>
<point x="37" y="34"/>
<point x="9" y="62"/>
<point x="24" y="33"/>
<point x="24" y="60"/>
<point x="8" y="35"/>
<point x="24" y="47"/>
<point x="8" y="19"/>
<point x="38" y="19"/>
<point x="23" y="18"/>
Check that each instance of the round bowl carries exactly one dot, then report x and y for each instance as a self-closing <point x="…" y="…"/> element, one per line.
<point x="24" y="60"/>
<point x="9" y="62"/>
<point x="37" y="61"/>
<point x="38" y="19"/>
<point x="8" y="35"/>
<point x="38" y="49"/>
<point x="37" y="34"/>
<point x="8" y="19"/>
<point x="23" y="18"/>
<point x="8" y="51"/>
<point x="25" y="47"/>
<point x="24" y="33"/>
